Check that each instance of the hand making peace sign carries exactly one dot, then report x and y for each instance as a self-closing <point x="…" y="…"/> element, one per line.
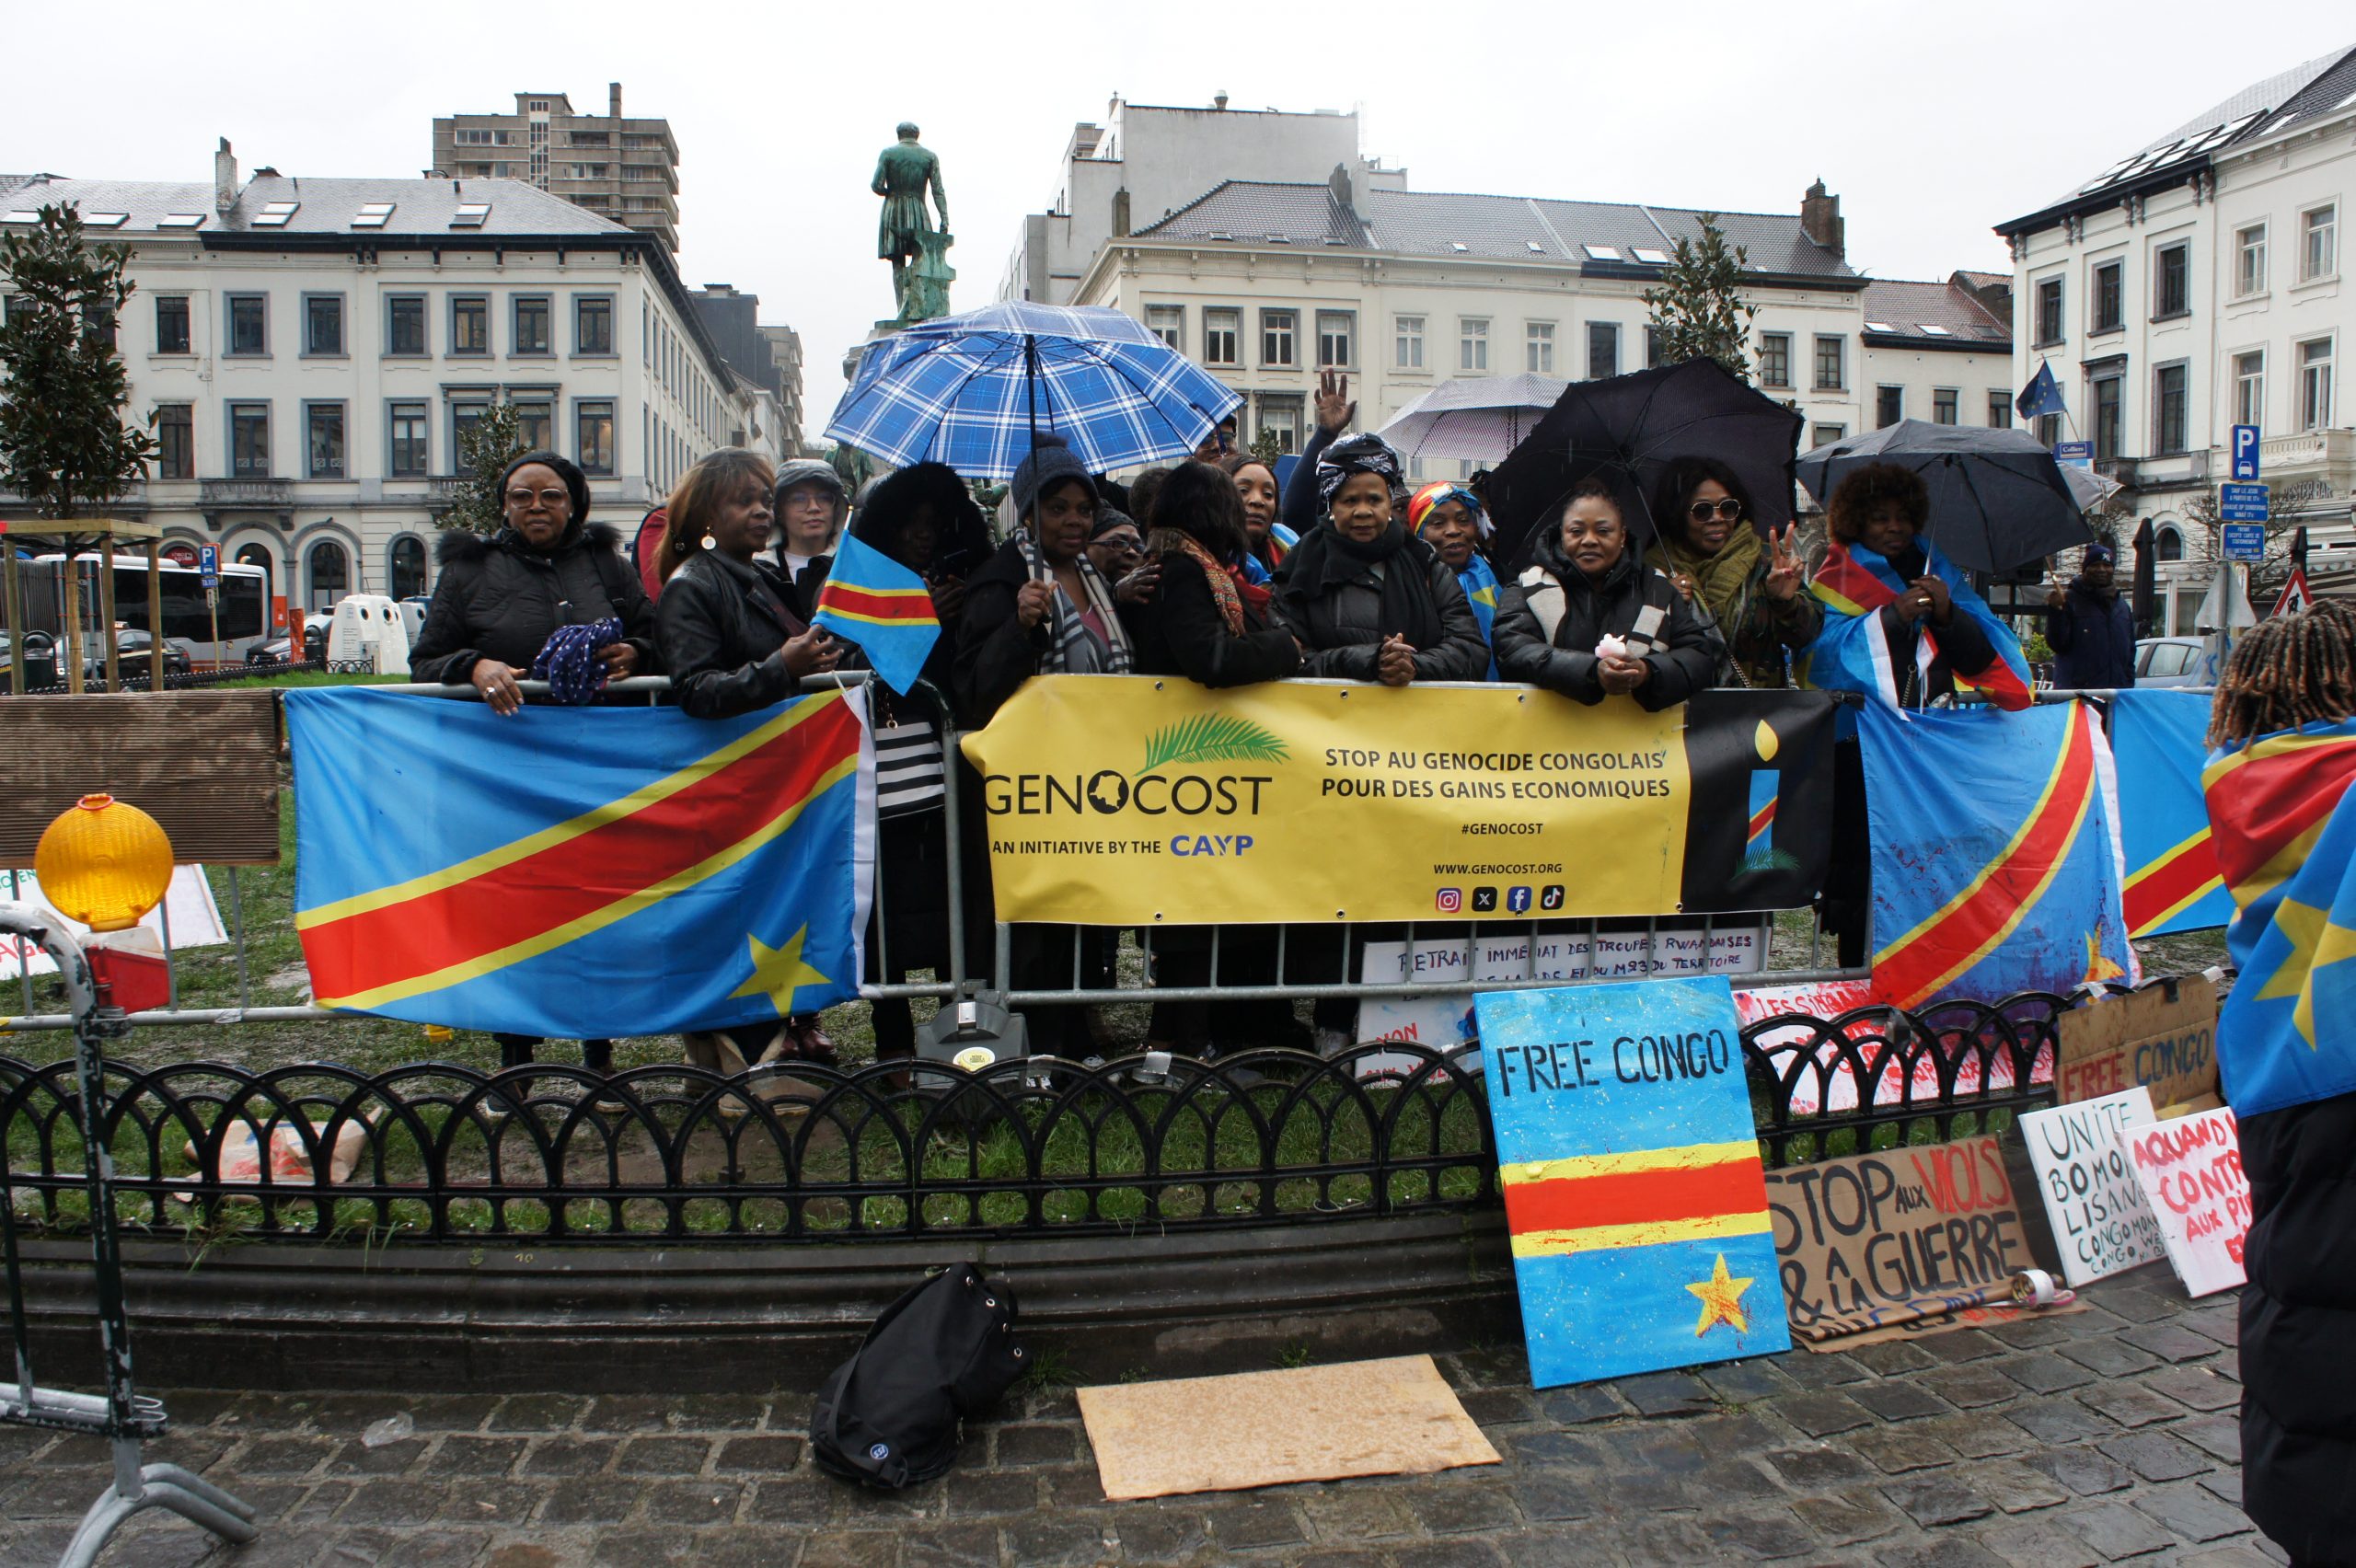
<point x="1783" y="571"/>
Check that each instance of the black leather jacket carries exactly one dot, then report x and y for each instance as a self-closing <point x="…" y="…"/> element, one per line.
<point x="720" y="624"/>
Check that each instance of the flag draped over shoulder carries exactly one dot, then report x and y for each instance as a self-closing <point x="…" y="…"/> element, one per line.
<point x="1852" y="651"/>
<point x="2173" y="882"/>
<point x="873" y="601"/>
<point x="2286" y="844"/>
<point x="1995" y="859"/>
<point x="580" y="873"/>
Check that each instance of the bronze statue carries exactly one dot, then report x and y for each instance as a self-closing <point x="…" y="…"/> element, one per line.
<point x="907" y="237"/>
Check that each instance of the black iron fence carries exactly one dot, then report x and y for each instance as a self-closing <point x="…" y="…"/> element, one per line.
<point x="215" y="1153"/>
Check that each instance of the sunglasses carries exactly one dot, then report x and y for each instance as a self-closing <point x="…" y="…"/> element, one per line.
<point x="546" y="497"/>
<point x="1727" y="510"/>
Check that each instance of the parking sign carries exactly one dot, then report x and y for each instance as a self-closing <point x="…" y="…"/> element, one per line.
<point x="2245" y="451"/>
<point x="2245" y="541"/>
<point x="208" y="563"/>
<point x="2241" y="504"/>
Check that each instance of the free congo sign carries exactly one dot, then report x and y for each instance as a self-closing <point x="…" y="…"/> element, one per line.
<point x="1128" y="799"/>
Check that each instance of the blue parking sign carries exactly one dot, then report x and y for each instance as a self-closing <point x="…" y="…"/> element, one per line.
<point x="2245" y="451"/>
<point x="2245" y="541"/>
<point x="208" y="563"/>
<point x="2241" y="504"/>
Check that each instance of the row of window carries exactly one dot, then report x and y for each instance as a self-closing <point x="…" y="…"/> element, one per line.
<point x="323" y="320"/>
<point x="667" y="353"/>
<point x="408" y="426"/>
<point x="1947" y="406"/>
<point x="2312" y="398"/>
<point x="1279" y="330"/>
<point x="2317" y="237"/>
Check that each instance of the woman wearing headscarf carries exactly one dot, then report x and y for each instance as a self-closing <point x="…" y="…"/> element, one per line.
<point x="1368" y="601"/>
<point x="1590" y="620"/>
<point x="1451" y="520"/>
<point x="733" y="644"/>
<point x="924" y="518"/>
<point x="500" y="602"/>
<point x="1754" y="592"/>
<point x="1040" y="607"/>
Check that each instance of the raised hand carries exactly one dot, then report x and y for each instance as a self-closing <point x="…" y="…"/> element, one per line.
<point x="1784" y="567"/>
<point x="1335" y="409"/>
<point x="1031" y="602"/>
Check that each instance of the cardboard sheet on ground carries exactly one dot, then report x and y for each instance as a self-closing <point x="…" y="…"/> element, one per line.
<point x="2190" y="1170"/>
<point x="2167" y="1046"/>
<point x="1897" y="1243"/>
<point x="2102" y="1222"/>
<point x="1632" y="1177"/>
<point x="1396" y="1417"/>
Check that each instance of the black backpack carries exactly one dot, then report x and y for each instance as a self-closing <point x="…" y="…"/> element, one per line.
<point x="889" y="1417"/>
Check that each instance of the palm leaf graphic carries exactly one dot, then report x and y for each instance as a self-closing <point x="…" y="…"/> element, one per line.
<point x="1769" y="861"/>
<point x="1210" y="737"/>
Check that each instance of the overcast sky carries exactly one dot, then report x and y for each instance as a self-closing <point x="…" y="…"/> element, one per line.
<point x="1931" y="123"/>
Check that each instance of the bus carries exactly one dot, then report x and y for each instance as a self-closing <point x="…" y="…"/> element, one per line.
<point x="243" y="612"/>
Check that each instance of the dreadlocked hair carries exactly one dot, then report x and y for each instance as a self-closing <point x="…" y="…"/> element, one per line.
<point x="2290" y="671"/>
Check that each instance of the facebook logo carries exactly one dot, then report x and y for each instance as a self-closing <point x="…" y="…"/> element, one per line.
<point x="1517" y="900"/>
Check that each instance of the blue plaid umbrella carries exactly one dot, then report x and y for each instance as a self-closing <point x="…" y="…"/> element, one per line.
<point x="972" y="390"/>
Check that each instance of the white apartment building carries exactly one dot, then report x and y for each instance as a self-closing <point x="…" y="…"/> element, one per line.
<point x="1268" y="283"/>
<point x="1938" y="351"/>
<point x="309" y="350"/>
<point x="2198" y="284"/>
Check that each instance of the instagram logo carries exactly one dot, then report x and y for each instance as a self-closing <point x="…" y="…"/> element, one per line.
<point x="1450" y="899"/>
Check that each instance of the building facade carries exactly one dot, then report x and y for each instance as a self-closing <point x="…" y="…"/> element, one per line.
<point x="1936" y="351"/>
<point x="785" y="353"/>
<point x="1267" y="283"/>
<point x="627" y="170"/>
<point x="307" y="354"/>
<point x="2195" y="285"/>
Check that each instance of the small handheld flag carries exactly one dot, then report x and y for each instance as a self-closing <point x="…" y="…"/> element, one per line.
<point x="2042" y="396"/>
<point x="873" y="601"/>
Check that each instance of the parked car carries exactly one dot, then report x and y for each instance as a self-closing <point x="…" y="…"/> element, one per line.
<point x="132" y="648"/>
<point x="315" y="643"/>
<point x="2171" y="662"/>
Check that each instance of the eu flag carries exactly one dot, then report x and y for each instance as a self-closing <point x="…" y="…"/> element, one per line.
<point x="2286" y="842"/>
<point x="1995" y="864"/>
<point x="580" y="871"/>
<point x="2042" y="396"/>
<point x="875" y="602"/>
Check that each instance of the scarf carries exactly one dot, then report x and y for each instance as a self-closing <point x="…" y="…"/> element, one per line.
<point x="1480" y="582"/>
<point x="1724" y="581"/>
<point x="1068" y="631"/>
<point x="568" y="660"/>
<point x="1852" y="653"/>
<point x="1324" y="562"/>
<point x="1231" y="586"/>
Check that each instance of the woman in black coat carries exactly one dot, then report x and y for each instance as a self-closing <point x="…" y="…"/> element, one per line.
<point x="1369" y="601"/>
<point x="733" y="645"/>
<point x="1591" y="620"/>
<point x="500" y="600"/>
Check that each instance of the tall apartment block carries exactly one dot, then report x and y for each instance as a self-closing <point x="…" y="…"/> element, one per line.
<point x="627" y="170"/>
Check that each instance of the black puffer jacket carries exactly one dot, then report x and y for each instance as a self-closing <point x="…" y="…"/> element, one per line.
<point x="1687" y="662"/>
<point x="721" y="624"/>
<point x="1342" y="625"/>
<point x="498" y="599"/>
<point x="2298" y="1330"/>
<point x="1183" y="632"/>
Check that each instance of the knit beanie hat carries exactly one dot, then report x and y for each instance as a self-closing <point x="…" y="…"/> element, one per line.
<point x="1051" y="462"/>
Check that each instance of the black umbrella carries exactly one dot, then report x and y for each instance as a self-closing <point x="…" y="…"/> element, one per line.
<point x="1998" y="499"/>
<point x="2299" y="549"/>
<point x="1626" y="429"/>
<point x="2146" y="598"/>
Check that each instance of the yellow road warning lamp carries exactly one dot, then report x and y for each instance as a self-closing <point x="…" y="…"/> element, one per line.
<point x="104" y="862"/>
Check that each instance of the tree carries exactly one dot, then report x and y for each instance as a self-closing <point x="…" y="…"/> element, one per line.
<point x="1266" y="447"/>
<point x="1699" y="308"/>
<point x="486" y="446"/>
<point x="64" y="445"/>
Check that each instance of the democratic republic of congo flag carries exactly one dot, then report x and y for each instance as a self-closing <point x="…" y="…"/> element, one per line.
<point x="1852" y="651"/>
<point x="882" y="606"/>
<point x="2286" y="842"/>
<point x="1996" y="861"/>
<point x="2173" y="882"/>
<point x="580" y="873"/>
<point x="1634" y="1195"/>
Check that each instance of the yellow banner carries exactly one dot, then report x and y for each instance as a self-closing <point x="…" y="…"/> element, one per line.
<point x="1119" y="801"/>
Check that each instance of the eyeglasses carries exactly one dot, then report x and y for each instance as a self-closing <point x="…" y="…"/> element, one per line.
<point x="549" y="498"/>
<point x="1726" y="510"/>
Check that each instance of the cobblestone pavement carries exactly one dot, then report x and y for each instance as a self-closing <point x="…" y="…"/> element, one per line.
<point x="2101" y="1436"/>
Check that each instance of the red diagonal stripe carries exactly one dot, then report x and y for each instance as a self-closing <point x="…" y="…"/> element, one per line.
<point x="2258" y="808"/>
<point x="1764" y="820"/>
<point x="1911" y="972"/>
<point x="1634" y="1197"/>
<point x="2161" y="886"/>
<point x="893" y="603"/>
<point x="453" y="925"/>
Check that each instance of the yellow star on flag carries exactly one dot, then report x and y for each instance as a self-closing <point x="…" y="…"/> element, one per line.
<point x="2315" y="942"/>
<point x="779" y="972"/>
<point x="1721" y="1300"/>
<point x="2098" y="964"/>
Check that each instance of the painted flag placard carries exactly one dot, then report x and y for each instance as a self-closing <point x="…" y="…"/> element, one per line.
<point x="2190" y="1170"/>
<point x="2102" y="1222"/>
<point x="1633" y="1182"/>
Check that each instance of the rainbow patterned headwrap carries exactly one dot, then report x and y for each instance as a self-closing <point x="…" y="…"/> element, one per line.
<point x="1420" y="504"/>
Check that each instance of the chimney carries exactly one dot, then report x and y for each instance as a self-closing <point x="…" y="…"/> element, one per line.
<point x="614" y="100"/>
<point x="1121" y="213"/>
<point x="225" y="179"/>
<point x="1820" y="218"/>
<point x="1218" y="100"/>
<point x="1338" y="182"/>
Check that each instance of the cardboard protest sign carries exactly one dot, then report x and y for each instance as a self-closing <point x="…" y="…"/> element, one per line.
<point x="1903" y="1238"/>
<point x="2101" y="1222"/>
<point x="2190" y="1170"/>
<point x="2167" y="1045"/>
<point x="1632" y="1177"/>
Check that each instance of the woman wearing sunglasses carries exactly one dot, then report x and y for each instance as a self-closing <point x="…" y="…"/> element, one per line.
<point x="1754" y="589"/>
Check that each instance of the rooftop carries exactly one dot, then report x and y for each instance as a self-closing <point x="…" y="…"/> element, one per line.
<point x="283" y="204"/>
<point x="1933" y="315"/>
<point x="1444" y="223"/>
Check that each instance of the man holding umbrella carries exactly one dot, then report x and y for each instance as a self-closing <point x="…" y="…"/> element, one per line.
<point x="2091" y="627"/>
